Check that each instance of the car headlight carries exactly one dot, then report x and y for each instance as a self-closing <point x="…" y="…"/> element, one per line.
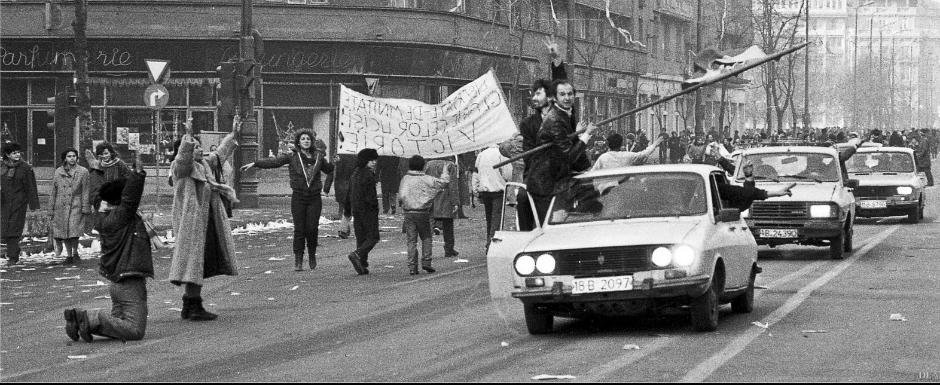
<point x="545" y="263"/>
<point x="905" y="190"/>
<point x="525" y="265"/>
<point x="821" y="211"/>
<point x="661" y="257"/>
<point x="683" y="255"/>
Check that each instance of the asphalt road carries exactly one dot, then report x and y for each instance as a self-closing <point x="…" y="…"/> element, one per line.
<point x="825" y="320"/>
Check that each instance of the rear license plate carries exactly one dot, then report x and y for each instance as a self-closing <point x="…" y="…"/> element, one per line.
<point x="602" y="284"/>
<point x="874" y="204"/>
<point x="778" y="233"/>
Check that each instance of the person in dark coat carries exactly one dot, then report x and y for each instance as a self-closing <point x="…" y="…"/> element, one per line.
<point x="675" y="155"/>
<point x="552" y="168"/>
<point x="742" y="197"/>
<point x="390" y="177"/>
<point x="305" y="164"/>
<point x="126" y="261"/>
<point x="364" y="208"/>
<point x="343" y="167"/>
<point x="104" y="166"/>
<point x="17" y="192"/>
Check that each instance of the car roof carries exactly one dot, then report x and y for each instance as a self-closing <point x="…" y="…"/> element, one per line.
<point x="785" y="149"/>
<point x="886" y="149"/>
<point x="701" y="169"/>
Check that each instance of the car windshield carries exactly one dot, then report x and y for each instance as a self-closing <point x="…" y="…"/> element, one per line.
<point x="643" y="195"/>
<point x="868" y="162"/>
<point x="790" y="166"/>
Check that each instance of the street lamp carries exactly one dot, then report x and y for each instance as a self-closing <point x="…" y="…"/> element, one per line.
<point x="855" y="68"/>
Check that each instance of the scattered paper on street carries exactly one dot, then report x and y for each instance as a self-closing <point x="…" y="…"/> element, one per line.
<point x="294" y="288"/>
<point x="175" y="309"/>
<point x="78" y="357"/>
<point x="504" y="344"/>
<point x="897" y="317"/>
<point x="631" y="347"/>
<point x="64" y="278"/>
<point x="814" y="331"/>
<point x="553" y="377"/>
<point x="236" y="293"/>
<point x="461" y="261"/>
<point x="760" y="324"/>
<point x="276" y="259"/>
<point x="267" y="271"/>
<point x="98" y="283"/>
<point x="103" y="297"/>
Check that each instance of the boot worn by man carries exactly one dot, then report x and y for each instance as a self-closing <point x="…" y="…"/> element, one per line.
<point x="313" y="262"/>
<point x="71" y="324"/>
<point x="428" y="269"/>
<point x="357" y="264"/>
<point x="193" y="310"/>
<point x="84" y="325"/>
<point x="299" y="263"/>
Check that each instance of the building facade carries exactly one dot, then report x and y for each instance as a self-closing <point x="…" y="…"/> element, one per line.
<point x="414" y="49"/>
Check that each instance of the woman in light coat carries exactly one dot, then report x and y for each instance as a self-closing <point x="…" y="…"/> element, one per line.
<point x="204" y="244"/>
<point x="70" y="203"/>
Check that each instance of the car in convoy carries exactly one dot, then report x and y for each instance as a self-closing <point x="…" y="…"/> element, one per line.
<point x="632" y="240"/>
<point x="888" y="183"/>
<point x="821" y="210"/>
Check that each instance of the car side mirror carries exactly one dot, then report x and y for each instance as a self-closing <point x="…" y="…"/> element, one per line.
<point x="851" y="183"/>
<point x="729" y="215"/>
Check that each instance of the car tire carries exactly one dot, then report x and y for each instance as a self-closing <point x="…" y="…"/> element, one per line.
<point x="744" y="303"/>
<point x="914" y="215"/>
<point x="538" y="321"/>
<point x="836" y="246"/>
<point x="705" y="311"/>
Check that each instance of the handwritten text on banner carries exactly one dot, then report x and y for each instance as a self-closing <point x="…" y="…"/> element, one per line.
<point x="471" y="118"/>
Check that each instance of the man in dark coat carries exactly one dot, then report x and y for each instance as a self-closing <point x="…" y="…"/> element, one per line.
<point x="339" y="179"/>
<point x="126" y="261"/>
<point x="551" y="170"/>
<point x="17" y="191"/>
<point x="390" y="177"/>
<point x="364" y="208"/>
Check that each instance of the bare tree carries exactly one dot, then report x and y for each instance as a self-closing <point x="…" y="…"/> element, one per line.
<point x="774" y="31"/>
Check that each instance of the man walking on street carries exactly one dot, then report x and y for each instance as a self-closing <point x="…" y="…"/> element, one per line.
<point x="489" y="184"/>
<point x="364" y="205"/>
<point x="415" y="196"/>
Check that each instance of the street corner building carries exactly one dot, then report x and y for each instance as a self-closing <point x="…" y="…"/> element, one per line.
<point x="307" y="49"/>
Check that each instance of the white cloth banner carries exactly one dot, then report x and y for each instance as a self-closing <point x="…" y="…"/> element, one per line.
<point x="472" y="118"/>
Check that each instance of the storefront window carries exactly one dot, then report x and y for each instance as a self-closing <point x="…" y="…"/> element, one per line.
<point x="14" y="93"/>
<point x="42" y="90"/>
<point x="201" y="95"/>
<point x="281" y="125"/>
<point x="13" y="125"/>
<point x="296" y="95"/>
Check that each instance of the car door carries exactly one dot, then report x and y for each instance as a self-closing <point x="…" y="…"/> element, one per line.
<point x="507" y="242"/>
<point x="728" y="238"/>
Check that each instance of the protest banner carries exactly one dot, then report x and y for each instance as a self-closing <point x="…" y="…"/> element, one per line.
<point x="472" y="118"/>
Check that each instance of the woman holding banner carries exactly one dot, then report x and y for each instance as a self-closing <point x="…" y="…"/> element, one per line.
<point x="305" y="164"/>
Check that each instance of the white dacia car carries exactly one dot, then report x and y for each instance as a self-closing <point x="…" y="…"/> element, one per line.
<point x="632" y="240"/>
<point x="888" y="183"/>
<point x="821" y="210"/>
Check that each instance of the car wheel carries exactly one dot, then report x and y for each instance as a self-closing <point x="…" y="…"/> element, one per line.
<point x="914" y="215"/>
<point x="836" y="246"/>
<point x="705" y="311"/>
<point x="848" y="244"/>
<point x="744" y="303"/>
<point x="538" y="321"/>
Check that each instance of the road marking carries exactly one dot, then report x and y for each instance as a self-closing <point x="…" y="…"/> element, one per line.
<point x="600" y="372"/>
<point x="707" y="367"/>
<point x="791" y="276"/>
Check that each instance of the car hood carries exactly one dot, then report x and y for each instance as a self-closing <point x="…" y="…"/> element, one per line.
<point x="803" y="191"/>
<point x="609" y="233"/>
<point x="885" y="180"/>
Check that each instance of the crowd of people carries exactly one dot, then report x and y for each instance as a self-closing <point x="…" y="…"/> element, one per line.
<point x="430" y="194"/>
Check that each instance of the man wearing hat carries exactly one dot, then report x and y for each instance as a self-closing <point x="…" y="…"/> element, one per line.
<point x="364" y="205"/>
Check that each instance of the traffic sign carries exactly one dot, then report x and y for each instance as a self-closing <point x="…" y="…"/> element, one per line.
<point x="156" y="96"/>
<point x="156" y="68"/>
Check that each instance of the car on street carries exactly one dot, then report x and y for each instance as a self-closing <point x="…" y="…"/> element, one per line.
<point x="633" y="240"/>
<point x="821" y="210"/>
<point x="888" y="183"/>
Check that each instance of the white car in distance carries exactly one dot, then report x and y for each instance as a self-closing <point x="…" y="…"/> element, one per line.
<point x="633" y="239"/>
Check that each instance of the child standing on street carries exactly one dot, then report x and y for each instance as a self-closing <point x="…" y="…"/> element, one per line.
<point x="415" y="196"/>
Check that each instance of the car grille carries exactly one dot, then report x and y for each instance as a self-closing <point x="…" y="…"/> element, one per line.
<point x="605" y="261"/>
<point x="875" y="191"/>
<point x="779" y="210"/>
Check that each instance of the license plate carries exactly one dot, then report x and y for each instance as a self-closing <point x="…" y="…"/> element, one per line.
<point x="602" y="284"/>
<point x="874" y="204"/>
<point x="778" y="233"/>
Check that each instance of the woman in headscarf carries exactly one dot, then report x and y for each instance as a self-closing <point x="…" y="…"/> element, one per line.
<point x="204" y="244"/>
<point x="70" y="203"/>
<point x="305" y="163"/>
<point x="17" y="191"/>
